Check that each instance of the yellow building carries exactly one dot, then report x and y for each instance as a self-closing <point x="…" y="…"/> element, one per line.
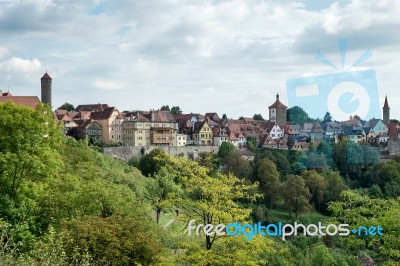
<point x="150" y="128"/>
<point x="202" y="133"/>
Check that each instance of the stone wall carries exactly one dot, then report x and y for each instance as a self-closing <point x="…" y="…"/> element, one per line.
<point x="127" y="152"/>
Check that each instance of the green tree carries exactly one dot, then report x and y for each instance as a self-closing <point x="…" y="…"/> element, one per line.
<point x="165" y="108"/>
<point x="327" y="118"/>
<point x="348" y="158"/>
<point x="296" y="195"/>
<point x="258" y="117"/>
<point x="225" y="148"/>
<point x="161" y="192"/>
<point x="151" y="163"/>
<point x="297" y="114"/>
<point x="268" y="177"/>
<point x="29" y="140"/>
<point x="77" y="133"/>
<point x="176" y="110"/>
<point x="317" y="186"/>
<point x="335" y="186"/>
<point x="235" y="164"/>
<point x="67" y="106"/>
<point x="115" y="240"/>
<point x="360" y="210"/>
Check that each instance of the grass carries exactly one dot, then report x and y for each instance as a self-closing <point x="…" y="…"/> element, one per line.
<point x="283" y="215"/>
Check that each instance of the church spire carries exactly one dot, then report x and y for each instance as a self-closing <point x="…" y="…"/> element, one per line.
<point x="386" y="105"/>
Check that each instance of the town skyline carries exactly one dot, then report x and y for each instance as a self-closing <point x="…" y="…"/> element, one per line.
<point x="215" y="56"/>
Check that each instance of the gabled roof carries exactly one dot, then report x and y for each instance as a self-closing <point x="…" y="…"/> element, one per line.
<point x="162" y="116"/>
<point x="106" y="114"/>
<point x="198" y="126"/>
<point x="372" y="123"/>
<point x="92" y="107"/>
<point x="28" y="101"/>
<point x="5" y="94"/>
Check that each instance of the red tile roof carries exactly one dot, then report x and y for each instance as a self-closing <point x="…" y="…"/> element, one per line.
<point x="278" y="104"/>
<point x="28" y="101"/>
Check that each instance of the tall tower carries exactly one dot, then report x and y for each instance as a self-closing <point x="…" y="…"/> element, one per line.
<point x="386" y="112"/>
<point x="46" y="89"/>
<point x="278" y="112"/>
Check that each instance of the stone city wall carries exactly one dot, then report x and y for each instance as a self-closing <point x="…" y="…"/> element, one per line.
<point x="127" y="152"/>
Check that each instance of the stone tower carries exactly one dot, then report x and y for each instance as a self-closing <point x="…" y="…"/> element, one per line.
<point x="386" y="112"/>
<point x="46" y="89"/>
<point x="278" y="112"/>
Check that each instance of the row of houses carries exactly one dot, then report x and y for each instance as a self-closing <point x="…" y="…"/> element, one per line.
<point x="102" y="123"/>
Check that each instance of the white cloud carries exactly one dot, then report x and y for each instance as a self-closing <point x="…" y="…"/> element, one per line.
<point x="3" y="51"/>
<point x="107" y="85"/>
<point x="16" y="64"/>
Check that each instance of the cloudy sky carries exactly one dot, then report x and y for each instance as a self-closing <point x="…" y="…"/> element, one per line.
<point x="225" y="56"/>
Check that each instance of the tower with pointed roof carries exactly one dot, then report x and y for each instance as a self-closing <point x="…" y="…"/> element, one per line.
<point x="386" y="112"/>
<point x="46" y="88"/>
<point x="278" y="112"/>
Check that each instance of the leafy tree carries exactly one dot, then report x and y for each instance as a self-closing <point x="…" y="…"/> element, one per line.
<point x="161" y="191"/>
<point x="224" y="116"/>
<point x="327" y="118"/>
<point x="360" y="210"/>
<point x="151" y="163"/>
<point x="176" y="110"/>
<point x="326" y="149"/>
<point x="297" y="114"/>
<point x="209" y="160"/>
<point x="268" y="177"/>
<point x="29" y="140"/>
<point x="115" y="240"/>
<point x="165" y="108"/>
<point x="322" y="257"/>
<point x="67" y="106"/>
<point x="395" y="121"/>
<point x="235" y="164"/>
<point x="77" y="133"/>
<point x="251" y="143"/>
<point x="225" y="148"/>
<point x="241" y="117"/>
<point x="386" y="176"/>
<point x="335" y="186"/>
<point x="316" y="160"/>
<point x="213" y="200"/>
<point x="258" y="117"/>
<point x="348" y="158"/>
<point x="317" y="186"/>
<point x="296" y="195"/>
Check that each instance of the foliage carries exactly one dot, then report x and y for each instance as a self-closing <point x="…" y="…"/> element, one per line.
<point x="360" y="210"/>
<point x="151" y="163"/>
<point x="165" y="108"/>
<point x="297" y="114"/>
<point x="67" y="106"/>
<point x="176" y="110"/>
<point x="296" y="195"/>
<point x="161" y="191"/>
<point x="225" y="148"/>
<point x="234" y="163"/>
<point x="258" y="117"/>
<point x="327" y="118"/>
<point x="115" y="240"/>
<point x="77" y="133"/>
<point x="269" y="179"/>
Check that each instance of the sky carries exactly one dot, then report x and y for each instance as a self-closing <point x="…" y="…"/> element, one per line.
<point x="219" y="56"/>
